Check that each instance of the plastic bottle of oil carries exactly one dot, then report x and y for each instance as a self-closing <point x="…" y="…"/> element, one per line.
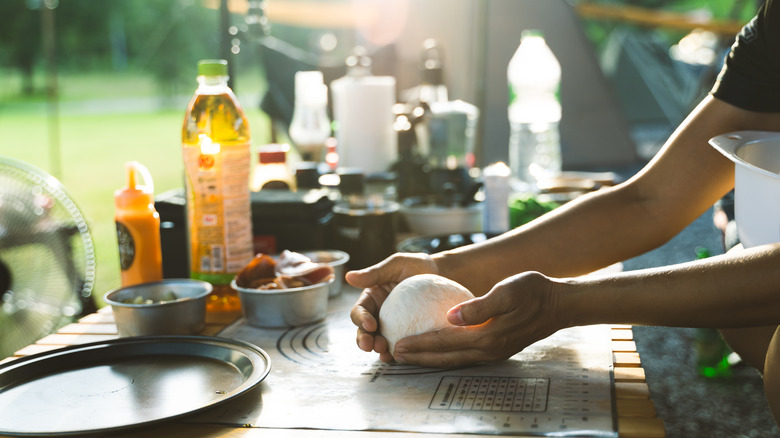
<point x="216" y="152"/>
<point x="138" y="228"/>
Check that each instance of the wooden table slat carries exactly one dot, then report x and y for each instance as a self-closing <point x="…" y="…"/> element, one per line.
<point x="632" y="390"/>
<point x="626" y="359"/>
<point x="623" y="346"/>
<point x="622" y="334"/>
<point x="635" y="407"/>
<point x="636" y="427"/>
<point x="629" y="374"/>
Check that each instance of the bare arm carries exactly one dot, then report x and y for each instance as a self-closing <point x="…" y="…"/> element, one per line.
<point x="594" y="231"/>
<point x="733" y="290"/>
<point x="614" y="224"/>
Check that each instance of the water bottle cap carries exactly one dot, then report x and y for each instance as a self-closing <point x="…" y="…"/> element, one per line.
<point x="213" y="67"/>
<point x="432" y="64"/>
<point x="528" y="33"/>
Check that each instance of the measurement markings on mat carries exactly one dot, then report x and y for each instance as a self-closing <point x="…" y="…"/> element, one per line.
<point x="490" y="393"/>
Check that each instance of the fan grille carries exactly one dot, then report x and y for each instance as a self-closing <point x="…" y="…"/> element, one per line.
<point x="47" y="254"/>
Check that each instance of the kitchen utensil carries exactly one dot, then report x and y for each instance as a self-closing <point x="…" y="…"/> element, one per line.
<point x="124" y="383"/>
<point x="335" y="259"/>
<point x="185" y="315"/>
<point x="290" y="307"/>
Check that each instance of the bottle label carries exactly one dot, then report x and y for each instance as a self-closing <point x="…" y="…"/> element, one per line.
<point x="220" y="210"/>
<point x="126" y="245"/>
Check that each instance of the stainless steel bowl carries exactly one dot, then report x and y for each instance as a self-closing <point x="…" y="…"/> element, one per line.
<point x="335" y="259"/>
<point x="284" y="307"/>
<point x="184" y="316"/>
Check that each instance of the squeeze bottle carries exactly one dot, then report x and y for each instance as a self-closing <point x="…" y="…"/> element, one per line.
<point x="138" y="228"/>
<point x="217" y="162"/>
<point x="534" y="76"/>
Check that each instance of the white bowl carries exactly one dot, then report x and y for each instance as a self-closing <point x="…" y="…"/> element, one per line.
<point x="436" y="219"/>
<point x="756" y="156"/>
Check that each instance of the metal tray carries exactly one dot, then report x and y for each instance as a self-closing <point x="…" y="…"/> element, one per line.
<point x="124" y="383"/>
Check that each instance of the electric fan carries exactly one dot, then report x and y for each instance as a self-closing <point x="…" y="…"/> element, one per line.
<point x="47" y="260"/>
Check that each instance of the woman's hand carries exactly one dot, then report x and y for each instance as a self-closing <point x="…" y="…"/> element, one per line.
<point x="378" y="281"/>
<point x="517" y="312"/>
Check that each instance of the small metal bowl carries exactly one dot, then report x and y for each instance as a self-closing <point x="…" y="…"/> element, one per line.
<point x="184" y="316"/>
<point x="335" y="259"/>
<point x="284" y="307"/>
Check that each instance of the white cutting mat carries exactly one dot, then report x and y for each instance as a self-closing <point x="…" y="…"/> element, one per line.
<point x="320" y="379"/>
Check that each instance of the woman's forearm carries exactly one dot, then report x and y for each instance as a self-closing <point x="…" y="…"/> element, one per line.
<point x="738" y="289"/>
<point x="608" y="226"/>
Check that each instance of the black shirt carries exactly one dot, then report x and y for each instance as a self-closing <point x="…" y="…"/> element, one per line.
<point x="750" y="78"/>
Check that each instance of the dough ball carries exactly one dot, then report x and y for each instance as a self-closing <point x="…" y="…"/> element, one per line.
<point x="418" y="305"/>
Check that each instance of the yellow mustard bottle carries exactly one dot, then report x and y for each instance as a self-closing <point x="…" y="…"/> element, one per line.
<point x="138" y="228"/>
<point x="217" y="163"/>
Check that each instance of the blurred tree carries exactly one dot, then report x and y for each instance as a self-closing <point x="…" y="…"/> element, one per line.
<point x="163" y="38"/>
<point x="20" y="39"/>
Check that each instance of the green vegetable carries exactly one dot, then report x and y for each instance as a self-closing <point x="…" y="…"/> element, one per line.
<point x="524" y="209"/>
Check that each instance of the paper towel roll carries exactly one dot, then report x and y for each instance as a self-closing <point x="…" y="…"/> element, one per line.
<point x="363" y="110"/>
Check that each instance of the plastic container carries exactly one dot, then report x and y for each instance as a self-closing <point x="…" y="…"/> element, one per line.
<point x="310" y="125"/>
<point x="497" y="191"/>
<point x="272" y="171"/>
<point x="138" y="228"/>
<point x="363" y="109"/>
<point x="216" y="152"/>
<point x="756" y="155"/>
<point x="534" y="75"/>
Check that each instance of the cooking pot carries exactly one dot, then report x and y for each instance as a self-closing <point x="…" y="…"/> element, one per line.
<point x="756" y="155"/>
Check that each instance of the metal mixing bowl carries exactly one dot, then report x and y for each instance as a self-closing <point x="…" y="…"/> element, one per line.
<point x="184" y="316"/>
<point x="284" y="307"/>
<point x="335" y="259"/>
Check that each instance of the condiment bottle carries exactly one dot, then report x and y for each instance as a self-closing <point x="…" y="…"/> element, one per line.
<point x="272" y="171"/>
<point x="138" y="228"/>
<point x="217" y="162"/>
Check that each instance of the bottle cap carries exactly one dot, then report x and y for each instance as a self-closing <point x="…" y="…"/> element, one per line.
<point x="273" y="153"/>
<point x="135" y="195"/>
<point x="358" y="62"/>
<point x="213" y="67"/>
<point x="431" y="64"/>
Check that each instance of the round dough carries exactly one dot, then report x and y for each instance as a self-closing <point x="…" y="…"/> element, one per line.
<point x="418" y="305"/>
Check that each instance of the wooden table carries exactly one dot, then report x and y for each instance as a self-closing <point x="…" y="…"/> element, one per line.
<point x="636" y="412"/>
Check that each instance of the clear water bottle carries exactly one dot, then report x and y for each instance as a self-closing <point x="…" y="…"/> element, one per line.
<point x="534" y="76"/>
